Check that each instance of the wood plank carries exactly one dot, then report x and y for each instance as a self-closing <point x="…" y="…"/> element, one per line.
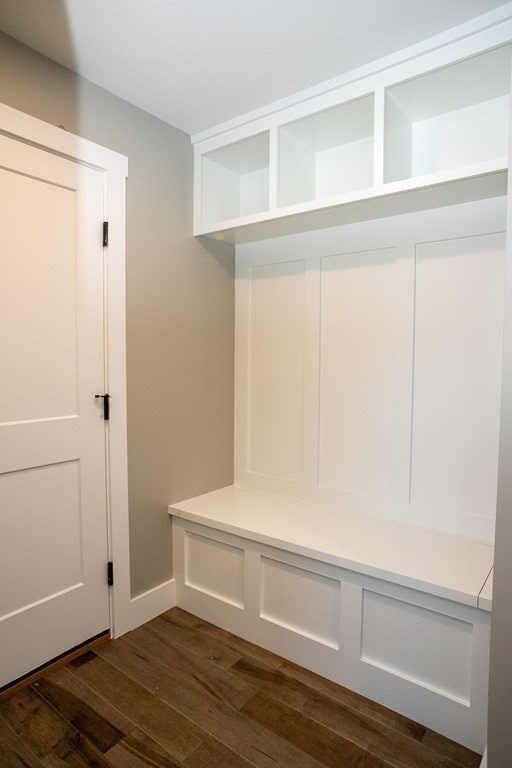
<point x="227" y="687"/>
<point x="75" y="753"/>
<point x="186" y="619"/>
<point x="399" y="750"/>
<point x="14" y="752"/>
<point x="149" y="713"/>
<point x="35" y="722"/>
<point x="443" y="746"/>
<point x="353" y="700"/>
<point x="241" y="734"/>
<point x="107" y="728"/>
<point x="212" y="753"/>
<point x="378" y="739"/>
<point x="274" y="682"/>
<point x="50" y="737"/>
<point x="311" y="737"/>
<point x="238" y="644"/>
<point x="137" y="750"/>
<point x="84" y="709"/>
<point x="448" y="748"/>
<point x="199" y="642"/>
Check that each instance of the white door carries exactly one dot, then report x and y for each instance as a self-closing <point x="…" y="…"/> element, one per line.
<point x="53" y="521"/>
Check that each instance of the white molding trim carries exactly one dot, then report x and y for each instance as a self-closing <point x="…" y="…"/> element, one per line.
<point x="26" y="128"/>
<point x="483" y="764"/>
<point x="38" y="133"/>
<point x="149" y="604"/>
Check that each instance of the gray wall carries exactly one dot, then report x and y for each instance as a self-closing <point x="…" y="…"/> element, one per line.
<point x="180" y="304"/>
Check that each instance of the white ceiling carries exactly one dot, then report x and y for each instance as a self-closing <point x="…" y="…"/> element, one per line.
<point x="197" y="63"/>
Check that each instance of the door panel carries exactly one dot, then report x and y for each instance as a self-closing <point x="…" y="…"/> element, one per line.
<point x="53" y="525"/>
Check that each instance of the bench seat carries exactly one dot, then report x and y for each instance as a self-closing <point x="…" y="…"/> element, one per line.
<point x="397" y="612"/>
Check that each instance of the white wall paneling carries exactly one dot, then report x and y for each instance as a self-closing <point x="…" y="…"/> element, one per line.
<point x="356" y="371"/>
<point x="368" y="365"/>
<point x="457" y="374"/>
<point x="276" y="369"/>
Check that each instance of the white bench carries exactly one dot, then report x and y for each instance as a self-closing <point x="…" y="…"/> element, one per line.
<point x="399" y="613"/>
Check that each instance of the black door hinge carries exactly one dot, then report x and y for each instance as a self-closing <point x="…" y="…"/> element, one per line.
<point x="106" y="405"/>
<point x="105" y="234"/>
<point x="110" y="573"/>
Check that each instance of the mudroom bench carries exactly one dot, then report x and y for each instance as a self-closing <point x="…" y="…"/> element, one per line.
<point x="396" y="612"/>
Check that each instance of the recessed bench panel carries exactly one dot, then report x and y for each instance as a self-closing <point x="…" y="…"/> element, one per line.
<point x="300" y="600"/>
<point x="215" y="568"/>
<point x="429" y="648"/>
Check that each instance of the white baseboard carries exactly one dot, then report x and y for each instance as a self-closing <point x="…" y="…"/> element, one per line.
<point x="152" y="603"/>
<point x="483" y="764"/>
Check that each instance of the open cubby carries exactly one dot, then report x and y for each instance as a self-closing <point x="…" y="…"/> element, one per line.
<point x="235" y="180"/>
<point x="428" y="122"/>
<point x="450" y="118"/>
<point x="327" y="154"/>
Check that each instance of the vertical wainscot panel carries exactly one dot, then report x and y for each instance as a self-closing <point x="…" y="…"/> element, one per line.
<point x="276" y="370"/>
<point x="457" y="374"/>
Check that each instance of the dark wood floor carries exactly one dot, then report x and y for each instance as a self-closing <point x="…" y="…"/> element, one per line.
<point x="179" y="692"/>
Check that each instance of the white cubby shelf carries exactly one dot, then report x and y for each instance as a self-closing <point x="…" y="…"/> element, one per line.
<point x="327" y="153"/>
<point x="426" y="120"/>
<point x="449" y="119"/>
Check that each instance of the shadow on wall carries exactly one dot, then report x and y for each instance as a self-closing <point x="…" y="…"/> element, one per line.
<point x="28" y="88"/>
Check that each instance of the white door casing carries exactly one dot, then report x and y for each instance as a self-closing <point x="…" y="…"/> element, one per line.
<point x="63" y="489"/>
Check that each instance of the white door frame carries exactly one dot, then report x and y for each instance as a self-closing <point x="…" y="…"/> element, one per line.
<point x="28" y="129"/>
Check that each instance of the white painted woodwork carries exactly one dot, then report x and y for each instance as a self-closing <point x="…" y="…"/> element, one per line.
<point x="437" y="116"/>
<point x="369" y="316"/>
<point x="444" y="661"/>
<point x="449" y="118"/>
<point x="448" y="566"/>
<point x="327" y="153"/>
<point x="368" y="360"/>
<point x="276" y="348"/>
<point x="53" y="492"/>
<point x="41" y="513"/>
<point x="203" y="557"/>
<point x="389" y="610"/>
<point x="356" y="371"/>
<point x="235" y="179"/>
<point x="316" y="615"/>
<point x="485" y="596"/>
<point x="459" y="291"/>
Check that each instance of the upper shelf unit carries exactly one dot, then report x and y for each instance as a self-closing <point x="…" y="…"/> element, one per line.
<point x="442" y="125"/>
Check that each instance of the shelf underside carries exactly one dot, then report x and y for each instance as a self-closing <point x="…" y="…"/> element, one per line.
<point x="393" y="203"/>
